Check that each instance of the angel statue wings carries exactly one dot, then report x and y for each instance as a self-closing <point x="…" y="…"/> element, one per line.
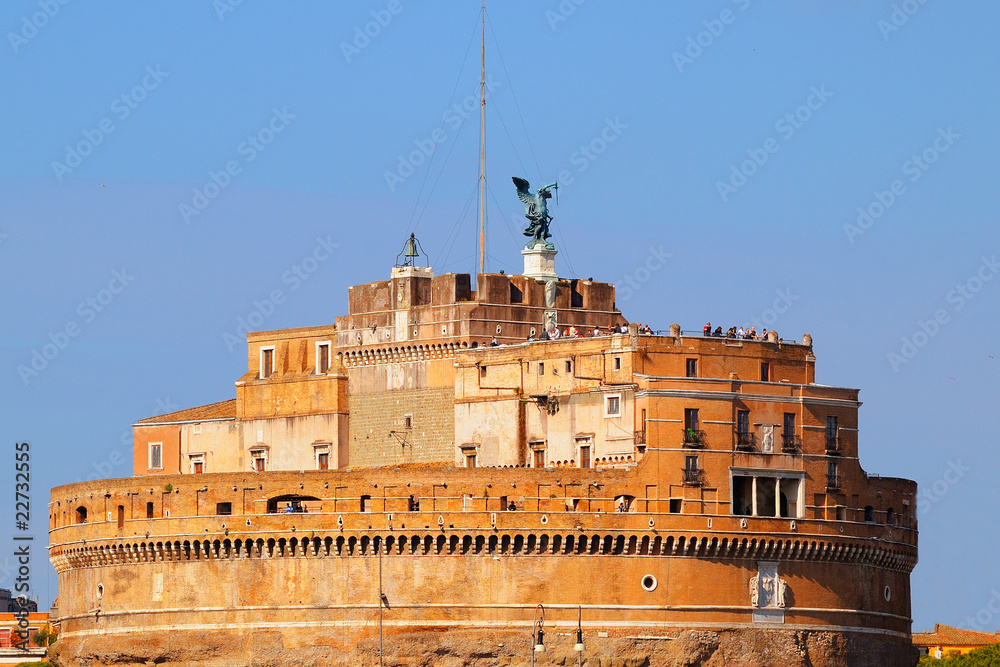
<point x="536" y="211"/>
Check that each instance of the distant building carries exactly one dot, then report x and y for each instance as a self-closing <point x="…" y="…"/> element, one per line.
<point x="8" y="603"/>
<point x="434" y="474"/>
<point x="946" y="640"/>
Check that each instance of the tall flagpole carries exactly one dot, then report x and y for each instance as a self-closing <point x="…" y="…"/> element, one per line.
<point x="482" y="152"/>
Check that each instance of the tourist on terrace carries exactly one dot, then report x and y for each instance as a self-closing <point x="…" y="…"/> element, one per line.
<point x="646" y="330"/>
<point x="740" y="333"/>
<point x="555" y="334"/>
<point x="494" y="342"/>
<point x="718" y="332"/>
<point x="544" y="335"/>
<point x="597" y="332"/>
<point x="707" y="330"/>
<point x="572" y="332"/>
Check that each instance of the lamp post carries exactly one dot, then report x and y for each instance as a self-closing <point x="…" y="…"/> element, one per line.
<point x="579" y="647"/>
<point x="537" y="633"/>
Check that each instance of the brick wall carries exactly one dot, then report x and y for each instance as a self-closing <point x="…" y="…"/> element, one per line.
<point x="374" y="415"/>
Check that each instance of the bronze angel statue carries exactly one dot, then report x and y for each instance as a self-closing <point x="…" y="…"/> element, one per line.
<point x="536" y="210"/>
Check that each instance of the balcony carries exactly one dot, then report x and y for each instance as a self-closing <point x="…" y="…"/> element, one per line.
<point x="790" y="443"/>
<point x="833" y="481"/>
<point x="694" y="438"/>
<point x="640" y="438"/>
<point x="693" y="476"/>
<point x="745" y="442"/>
<point x="833" y="445"/>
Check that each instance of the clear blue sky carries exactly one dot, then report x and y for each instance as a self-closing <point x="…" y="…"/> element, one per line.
<point x="92" y="183"/>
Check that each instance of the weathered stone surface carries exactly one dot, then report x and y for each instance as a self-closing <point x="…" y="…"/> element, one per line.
<point x="479" y="648"/>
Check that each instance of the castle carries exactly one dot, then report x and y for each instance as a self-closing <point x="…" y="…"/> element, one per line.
<point x="420" y="483"/>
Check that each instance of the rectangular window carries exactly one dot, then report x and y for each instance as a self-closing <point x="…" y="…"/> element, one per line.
<point x="691" y="369"/>
<point x="266" y="362"/>
<point x="322" y="357"/>
<point x="366" y="503"/>
<point x="743" y="422"/>
<point x="583" y="446"/>
<point x="482" y="371"/>
<point x="155" y="456"/>
<point x="618" y="363"/>
<point x="831" y="432"/>
<point x="541" y="368"/>
<point x="407" y="422"/>
<point x="539" y="458"/>
<point x="323" y="461"/>
<point x="613" y="406"/>
<point x="691" y="462"/>
<point x="569" y="366"/>
<point x="470" y="459"/>
<point x="258" y="460"/>
<point x="198" y="467"/>
<point x="224" y="509"/>
<point x="789" y="425"/>
<point x="149" y="510"/>
<point x="691" y="419"/>
<point x="675" y="505"/>
<point x="765" y="372"/>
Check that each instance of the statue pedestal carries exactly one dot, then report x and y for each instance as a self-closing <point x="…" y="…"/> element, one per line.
<point x="540" y="262"/>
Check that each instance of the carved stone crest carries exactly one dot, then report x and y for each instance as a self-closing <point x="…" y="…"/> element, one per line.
<point x="767" y="589"/>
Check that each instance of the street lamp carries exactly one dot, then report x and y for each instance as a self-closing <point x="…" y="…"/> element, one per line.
<point x="579" y="647"/>
<point x="537" y="633"/>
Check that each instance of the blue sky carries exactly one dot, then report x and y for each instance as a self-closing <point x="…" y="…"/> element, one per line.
<point x="740" y="139"/>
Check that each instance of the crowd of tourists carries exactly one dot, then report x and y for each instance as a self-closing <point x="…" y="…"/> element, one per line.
<point x="748" y="333"/>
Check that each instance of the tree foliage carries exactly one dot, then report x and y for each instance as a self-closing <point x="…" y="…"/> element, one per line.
<point x="987" y="656"/>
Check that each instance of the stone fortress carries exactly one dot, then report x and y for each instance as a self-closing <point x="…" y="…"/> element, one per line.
<point x="392" y="489"/>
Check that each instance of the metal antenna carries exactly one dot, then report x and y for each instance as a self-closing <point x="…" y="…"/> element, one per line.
<point x="482" y="152"/>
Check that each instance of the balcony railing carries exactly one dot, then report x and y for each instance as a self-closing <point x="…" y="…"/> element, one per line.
<point x="693" y="476"/>
<point x="833" y="481"/>
<point x="694" y="438"/>
<point x="790" y="443"/>
<point x="746" y="442"/>
<point x="833" y="445"/>
<point x="640" y="437"/>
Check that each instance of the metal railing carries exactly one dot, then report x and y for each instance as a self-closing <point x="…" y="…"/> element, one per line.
<point x="693" y="476"/>
<point x="791" y="443"/>
<point x="694" y="438"/>
<point x="833" y="481"/>
<point x="833" y="445"/>
<point x="745" y="442"/>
